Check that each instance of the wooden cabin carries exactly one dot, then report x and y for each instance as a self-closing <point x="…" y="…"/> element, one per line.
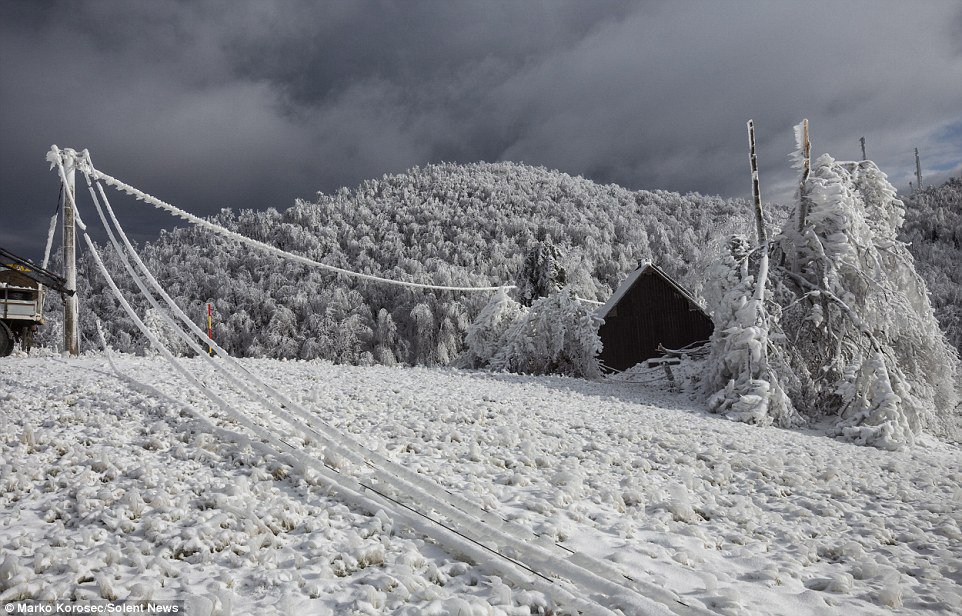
<point x="647" y="310"/>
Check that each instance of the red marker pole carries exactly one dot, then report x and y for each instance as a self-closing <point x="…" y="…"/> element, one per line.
<point x="210" y="328"/>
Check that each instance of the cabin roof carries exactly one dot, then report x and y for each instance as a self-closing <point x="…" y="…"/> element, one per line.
<point x="633" y="277"/>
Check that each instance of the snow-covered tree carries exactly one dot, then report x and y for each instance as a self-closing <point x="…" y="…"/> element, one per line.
<point x="557" y="335"/>
<point x="163" y="332"/>
<point x="740" y="380"/>
<point x="385" y="334"/>
<point x="486" y="333"/>
<point x="541" y="272"/>
<point x="933" y="232"/>
<point x="852" y="327"/>
<point x="424" y="348"/>
<point x="875" y="335"/>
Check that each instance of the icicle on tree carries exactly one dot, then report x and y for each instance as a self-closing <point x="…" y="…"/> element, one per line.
<point x="740" y="379"/>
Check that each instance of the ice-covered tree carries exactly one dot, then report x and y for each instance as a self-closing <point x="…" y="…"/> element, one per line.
<point x="487" y="332"/>
<point x="870" y="341"/>
<point x="933" y="231"/>
<point x="557" y="335"/>
<point x="740" y="380"/>
<point x="541" y="272"/>
<point x="424" y="348"/>
<point x="385" y="334"/>
<point x="163" y="332"/>
<point x="847" y="330"/>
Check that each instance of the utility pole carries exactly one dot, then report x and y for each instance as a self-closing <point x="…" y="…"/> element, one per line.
<point x="756" y="196"/>
<point x="71" y="335"/>
<point x="806" y="168"/>
<point x="918" y="171"/>
<point x="862" y="141"/>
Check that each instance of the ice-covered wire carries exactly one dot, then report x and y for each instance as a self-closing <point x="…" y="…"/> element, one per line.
<point x="142" y="196"/>
<point x="169" y="322"/>
<point x="52" y="229"/>
<point x="50" y="233"/>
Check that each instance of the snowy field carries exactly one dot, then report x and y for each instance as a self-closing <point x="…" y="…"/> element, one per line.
<point x="110" y="489"/>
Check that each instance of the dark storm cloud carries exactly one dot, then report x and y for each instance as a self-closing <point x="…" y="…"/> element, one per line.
<point x="233" y="104"/>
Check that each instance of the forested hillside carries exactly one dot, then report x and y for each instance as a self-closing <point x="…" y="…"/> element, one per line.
<point x="444" y="224"/>
<point x="933" y="226"/>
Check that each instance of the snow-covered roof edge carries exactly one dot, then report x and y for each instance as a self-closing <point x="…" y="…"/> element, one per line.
<point x="633" y="278"/>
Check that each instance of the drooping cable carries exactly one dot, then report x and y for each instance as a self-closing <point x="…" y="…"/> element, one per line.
<point x="195" y="220"/>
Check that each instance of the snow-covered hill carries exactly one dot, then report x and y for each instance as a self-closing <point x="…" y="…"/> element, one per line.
<point x="110" y="489"/>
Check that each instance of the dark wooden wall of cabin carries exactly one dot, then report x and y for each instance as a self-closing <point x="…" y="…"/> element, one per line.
<point x="652" y="312"/>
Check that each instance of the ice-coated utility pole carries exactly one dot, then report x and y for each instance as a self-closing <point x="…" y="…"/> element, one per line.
<point x="806" y="167"/>
<point x="67" y="158"/>
<point x="71" y="335"/>
<point x="759" y="219"/>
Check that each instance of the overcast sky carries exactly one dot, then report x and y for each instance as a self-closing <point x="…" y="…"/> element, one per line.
<point x="252" y="104"/>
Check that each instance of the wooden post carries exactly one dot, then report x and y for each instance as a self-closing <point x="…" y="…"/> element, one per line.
<point x="71" y="334"/>
<point x="862" y="141"/>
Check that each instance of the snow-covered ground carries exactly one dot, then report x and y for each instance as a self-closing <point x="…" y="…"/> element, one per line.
<point x="109" y="489"/>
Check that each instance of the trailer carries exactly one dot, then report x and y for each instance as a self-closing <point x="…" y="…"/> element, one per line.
<point x="22" y="286"/>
